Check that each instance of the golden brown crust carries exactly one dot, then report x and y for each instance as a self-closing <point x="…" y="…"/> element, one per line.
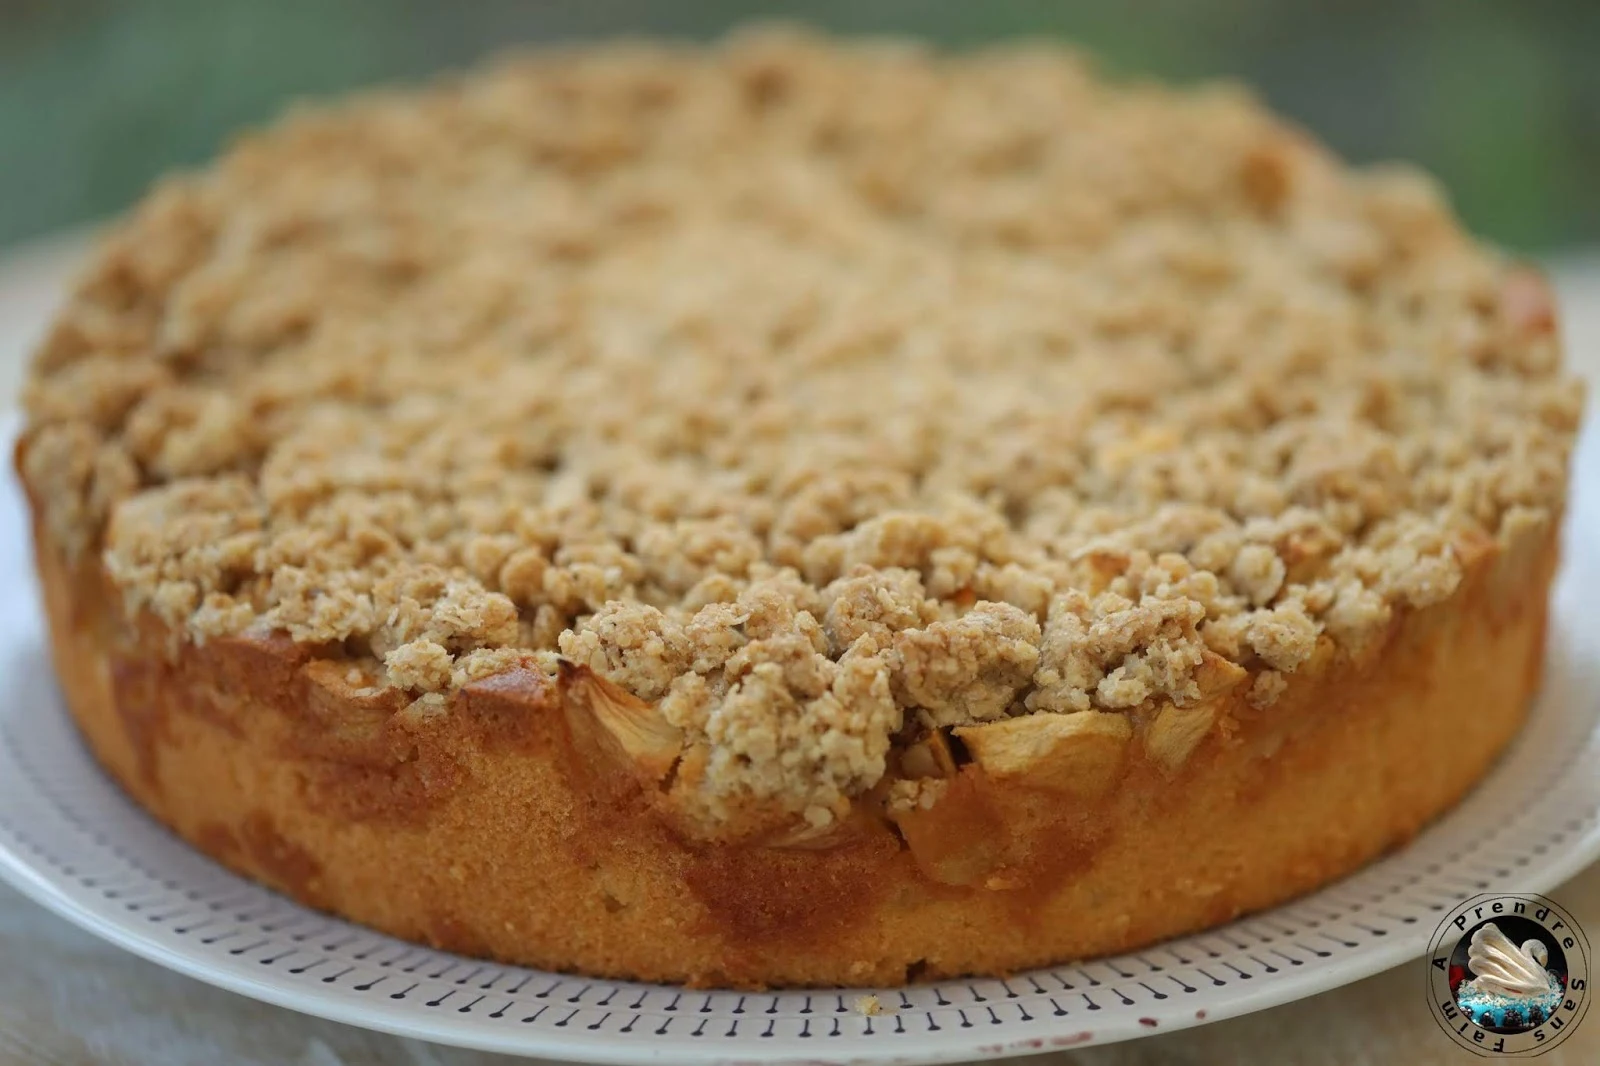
<point x="486" y="829"/>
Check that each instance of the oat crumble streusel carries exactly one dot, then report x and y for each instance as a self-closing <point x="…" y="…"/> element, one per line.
<point x="808" y="391"/>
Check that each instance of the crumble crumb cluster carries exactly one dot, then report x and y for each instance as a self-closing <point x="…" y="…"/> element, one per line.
<point x="813" y="392"/>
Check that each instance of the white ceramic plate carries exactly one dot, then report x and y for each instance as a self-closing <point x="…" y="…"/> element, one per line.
<point x="72" y="841"/>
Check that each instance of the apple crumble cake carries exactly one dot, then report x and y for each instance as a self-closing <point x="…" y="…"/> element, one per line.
<point x="795" y="512"/>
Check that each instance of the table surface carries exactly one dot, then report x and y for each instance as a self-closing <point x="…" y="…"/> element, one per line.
<point x="68" y="998"/>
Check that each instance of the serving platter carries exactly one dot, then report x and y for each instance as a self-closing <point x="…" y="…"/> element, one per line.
<point x="73" y="842"/>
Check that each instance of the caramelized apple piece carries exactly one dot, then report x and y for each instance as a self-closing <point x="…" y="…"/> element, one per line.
<point x="1176" y="731"/>
<point x="928" y="756"/>
<point x="618" y="727"/>
<point x="1081" y="754"/>
<point x="960" y="839"/>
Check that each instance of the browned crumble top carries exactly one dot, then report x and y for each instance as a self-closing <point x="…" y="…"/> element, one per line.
<point x="812" y="391"/>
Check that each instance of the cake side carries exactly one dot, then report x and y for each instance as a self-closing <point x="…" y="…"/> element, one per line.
<point x="489" y="830"/>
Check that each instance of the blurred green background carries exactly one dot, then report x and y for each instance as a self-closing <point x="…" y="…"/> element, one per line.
<point x="1500" y="98"/>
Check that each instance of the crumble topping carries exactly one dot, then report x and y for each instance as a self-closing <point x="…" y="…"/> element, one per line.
<point x="811" y="391"/>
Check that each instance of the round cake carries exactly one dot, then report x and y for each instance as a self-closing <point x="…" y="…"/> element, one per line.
<point x="794" y="512"/>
